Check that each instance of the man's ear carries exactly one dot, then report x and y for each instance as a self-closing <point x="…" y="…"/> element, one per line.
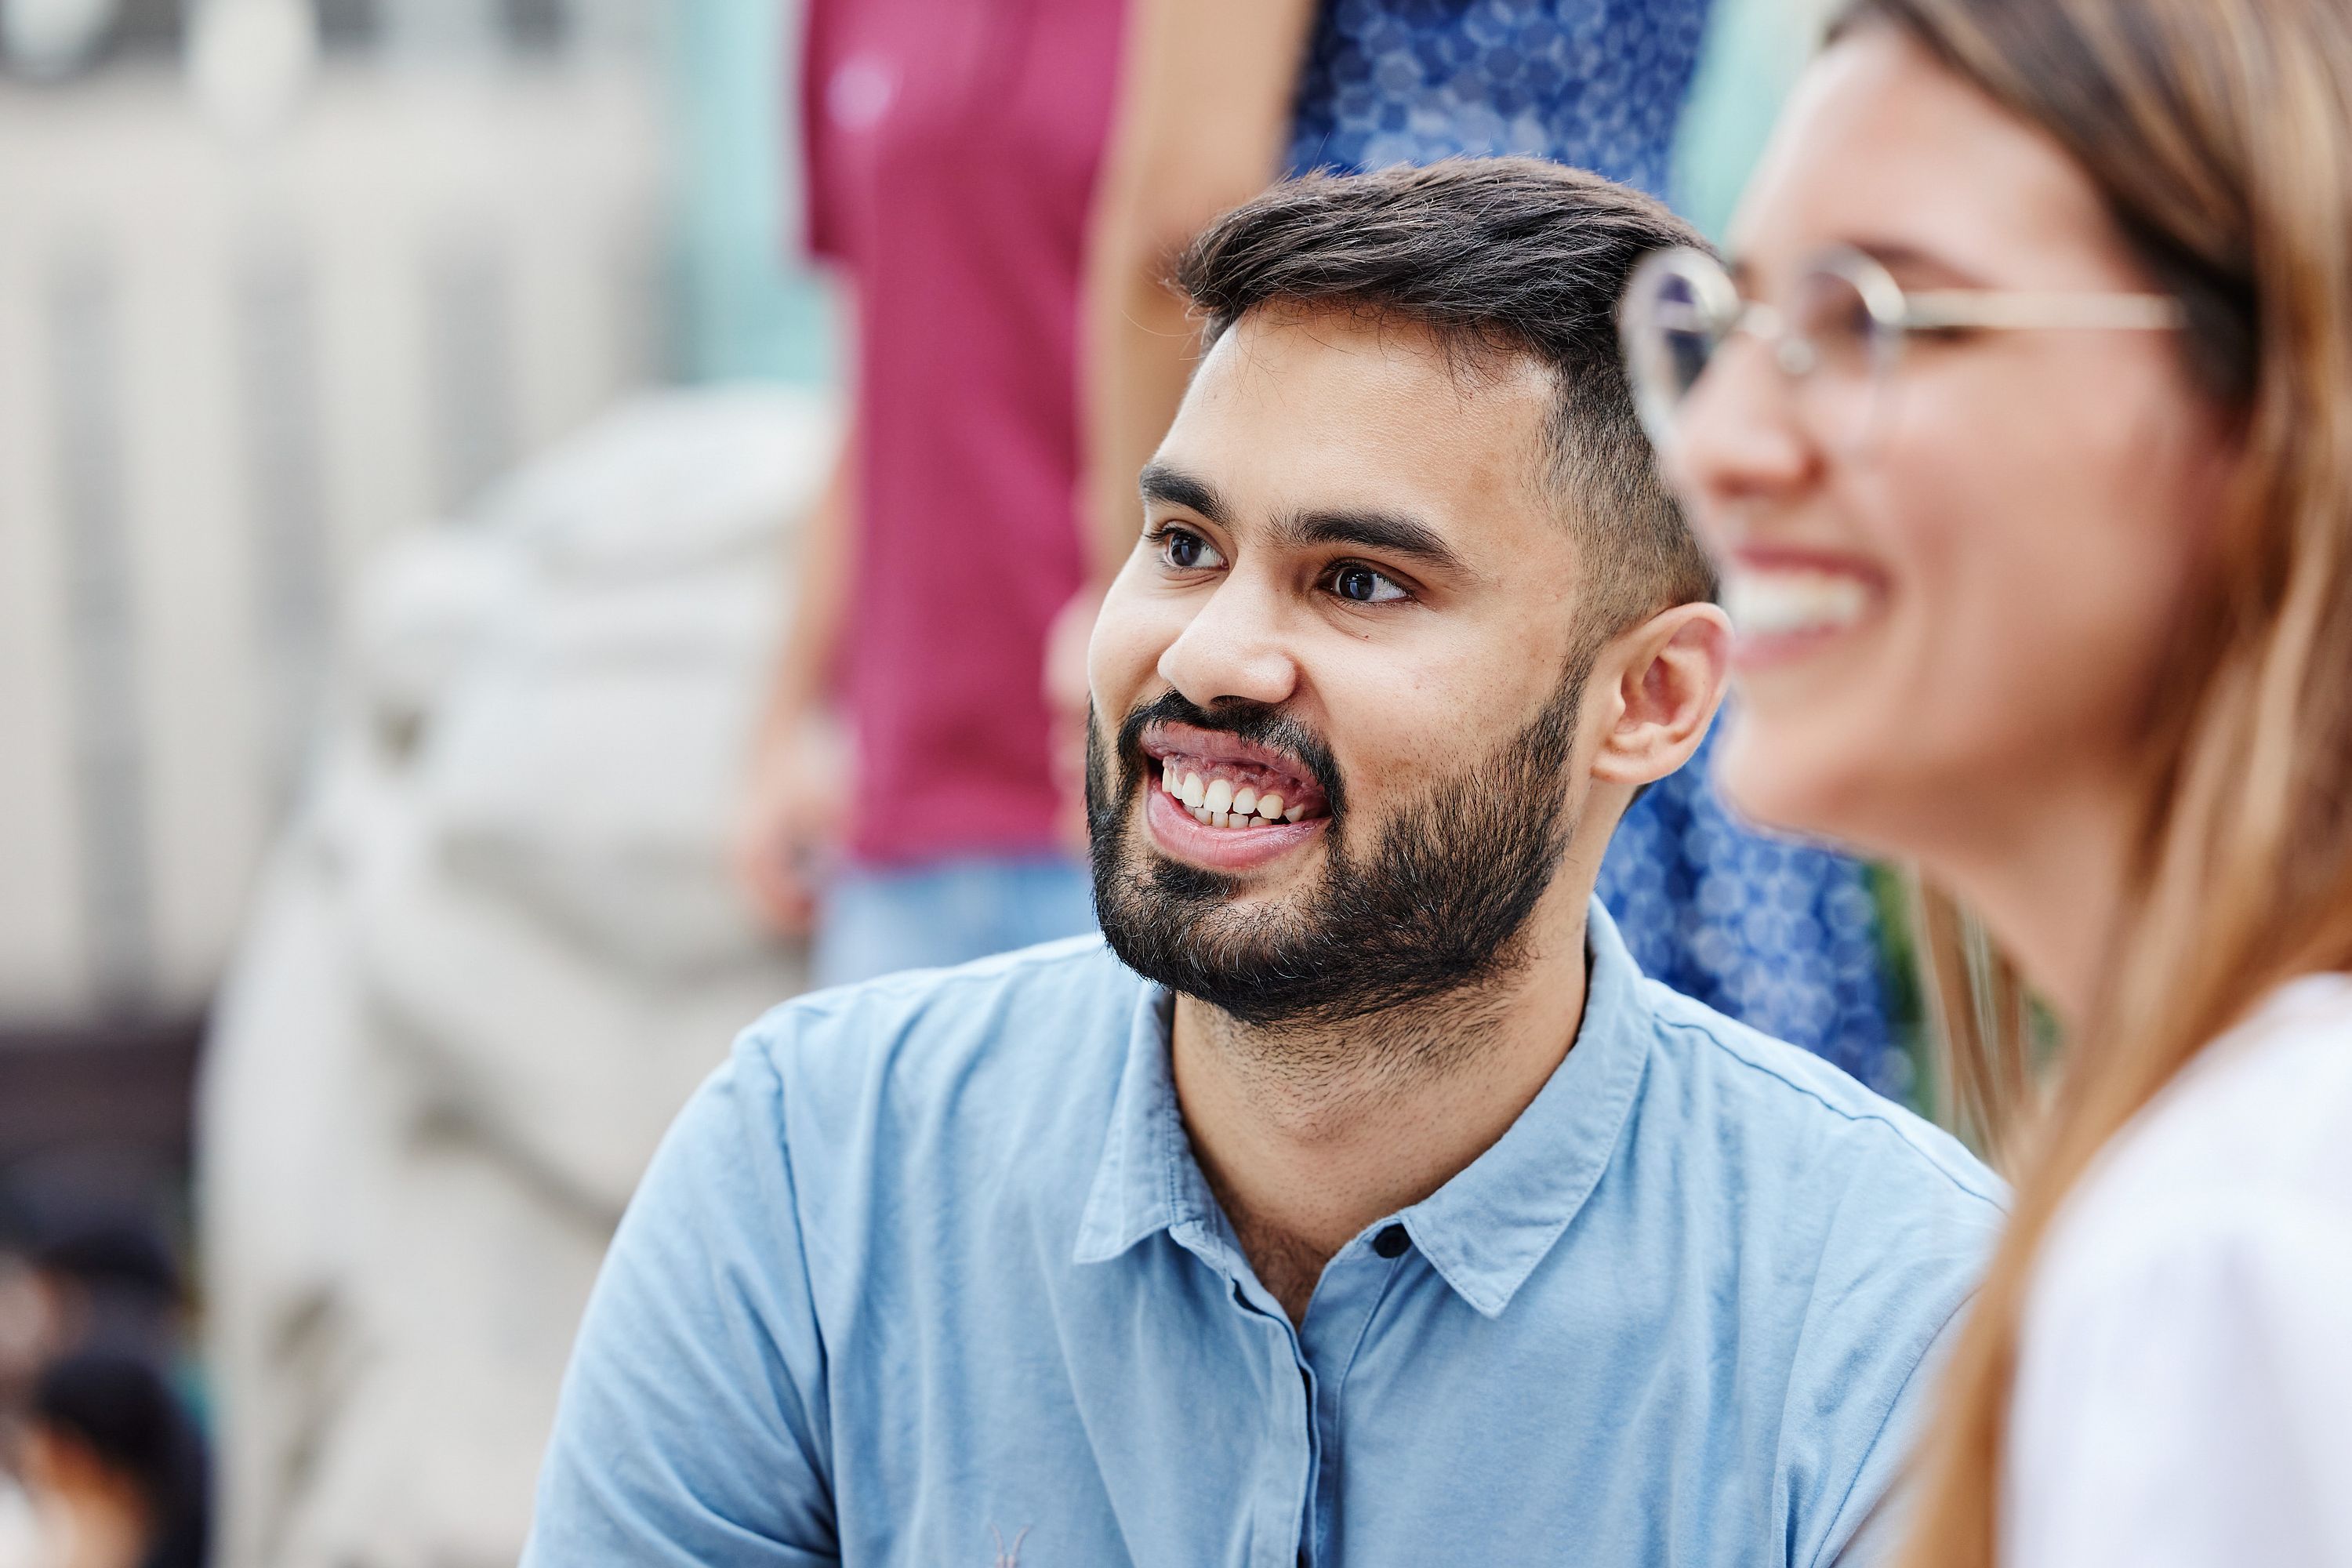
<point x="1670" y="673"/>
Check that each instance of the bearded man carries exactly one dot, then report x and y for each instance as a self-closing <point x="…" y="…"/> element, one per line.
<point x="1353" y="1199"/>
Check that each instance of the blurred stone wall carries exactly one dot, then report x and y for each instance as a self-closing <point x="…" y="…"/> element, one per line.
<point x="228" y="365"/>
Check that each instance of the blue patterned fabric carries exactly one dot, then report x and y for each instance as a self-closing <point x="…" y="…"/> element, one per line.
<point x="1780" y="936"/>
<point x="1597" y="83"/>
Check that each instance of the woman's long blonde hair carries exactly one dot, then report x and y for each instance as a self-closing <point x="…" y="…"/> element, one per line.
<point x="2219" y="132"/>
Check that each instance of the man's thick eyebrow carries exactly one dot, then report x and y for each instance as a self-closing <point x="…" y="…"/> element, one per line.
<point x="1173" y="487"/>
<point x="1388" y="532"/>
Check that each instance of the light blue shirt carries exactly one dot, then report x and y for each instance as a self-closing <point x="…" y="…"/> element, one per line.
<point x="928" y="1266"/>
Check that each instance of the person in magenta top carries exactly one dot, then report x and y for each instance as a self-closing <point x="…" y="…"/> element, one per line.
<point x="951" y="156"/>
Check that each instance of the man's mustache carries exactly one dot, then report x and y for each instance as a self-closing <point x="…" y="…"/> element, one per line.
<point x="1259" y="723"/>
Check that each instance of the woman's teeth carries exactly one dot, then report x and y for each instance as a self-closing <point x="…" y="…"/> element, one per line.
<point x="1220" y="803"/>
<point x="1781" y="602"/>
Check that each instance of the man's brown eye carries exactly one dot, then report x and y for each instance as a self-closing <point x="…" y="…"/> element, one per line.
<point x="1181" y="550"/>
<point x="1363" y="585"/>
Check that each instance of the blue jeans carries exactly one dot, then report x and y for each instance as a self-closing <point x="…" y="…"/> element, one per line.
<point x="876" y="921"/>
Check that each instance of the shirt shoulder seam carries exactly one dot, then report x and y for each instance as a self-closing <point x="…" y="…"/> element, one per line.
<point x="1895" y="1128"/>
<point x="774" y="1091"/>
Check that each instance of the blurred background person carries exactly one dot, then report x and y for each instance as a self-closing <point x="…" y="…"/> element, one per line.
<point x="2025" y="437"/>
<point x="1223" y="96"/>
<point x="91" y="1253"/>
<point x="114" y="1467"/>
<point x="950" y="156"/>
<point x="103" y="1455"/>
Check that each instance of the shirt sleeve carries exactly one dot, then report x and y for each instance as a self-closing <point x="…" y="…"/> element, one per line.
<point x="2193" y="1408"/>
<point x="1871" y="1527"/>
<point x="692" y="1427"/>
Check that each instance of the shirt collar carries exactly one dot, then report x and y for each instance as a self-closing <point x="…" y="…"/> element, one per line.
<point x="1485" y="1230"/>
<point x="1148" y="1180"/>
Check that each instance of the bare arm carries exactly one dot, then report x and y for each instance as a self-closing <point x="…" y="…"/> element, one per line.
<point x="1203" y="117"/>
<point x="820" y="598"/>
<point x="797" y="789"/>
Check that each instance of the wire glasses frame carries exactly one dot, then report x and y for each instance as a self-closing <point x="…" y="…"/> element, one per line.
<point x="1842" y="329"/>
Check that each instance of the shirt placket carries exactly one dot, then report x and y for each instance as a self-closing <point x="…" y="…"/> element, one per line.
<point x="1280" y="1506"/>
<point x="1338" y="1320"/>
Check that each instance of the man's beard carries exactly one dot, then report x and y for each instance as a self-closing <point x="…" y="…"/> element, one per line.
<point x="1434" y="902"/>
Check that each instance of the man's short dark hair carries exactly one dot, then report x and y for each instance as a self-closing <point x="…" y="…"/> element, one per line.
<point x="1513" y="256"/>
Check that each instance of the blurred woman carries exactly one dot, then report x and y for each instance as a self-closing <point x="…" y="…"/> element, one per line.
<point x="1221" y="97"/>
<point x="2022" y="425"/>
<point x="952" y="152"/>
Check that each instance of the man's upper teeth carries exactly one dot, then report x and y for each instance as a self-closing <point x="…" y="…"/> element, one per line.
<point x="1220" y="803"/>
<point x="1783" y="600"/>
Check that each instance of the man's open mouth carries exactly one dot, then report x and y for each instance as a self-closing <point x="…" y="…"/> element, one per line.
<point x="1226" y="781"/>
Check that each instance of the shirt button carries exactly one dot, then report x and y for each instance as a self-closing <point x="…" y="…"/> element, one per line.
<point x="1391" y="1242"/>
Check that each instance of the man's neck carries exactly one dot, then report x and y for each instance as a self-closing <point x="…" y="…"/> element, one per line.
<point x="1308" y="1135"/>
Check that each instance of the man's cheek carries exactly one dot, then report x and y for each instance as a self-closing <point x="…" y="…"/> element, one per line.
<point x="1120" y="626"/>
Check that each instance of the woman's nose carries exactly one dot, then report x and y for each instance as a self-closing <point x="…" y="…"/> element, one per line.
<point x="1737" y="435"/>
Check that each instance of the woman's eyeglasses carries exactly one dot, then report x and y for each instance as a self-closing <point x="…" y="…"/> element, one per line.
<point x="1839" y="332"/>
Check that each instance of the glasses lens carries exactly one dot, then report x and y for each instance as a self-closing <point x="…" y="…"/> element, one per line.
<point x="1673" y="324"/>
<point x="1848" y="349"/>
<point x="1829" y="312"/>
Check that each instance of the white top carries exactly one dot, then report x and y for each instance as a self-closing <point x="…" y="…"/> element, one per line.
<point x="2184" y="1390"/>
<point x="23" y="1542"/>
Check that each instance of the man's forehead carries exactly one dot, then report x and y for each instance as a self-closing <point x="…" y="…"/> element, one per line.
<point x="1367" y="352"/>
<point x="1298" y="409"/>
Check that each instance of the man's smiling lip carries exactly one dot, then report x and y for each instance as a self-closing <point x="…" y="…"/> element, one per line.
<point x="1163" y="741"/>
<point x="1229" y="850"/>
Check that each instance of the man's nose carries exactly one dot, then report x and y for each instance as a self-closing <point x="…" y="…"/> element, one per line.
<point x="1737" y="434"/>
<point x="1234" y="646"/>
